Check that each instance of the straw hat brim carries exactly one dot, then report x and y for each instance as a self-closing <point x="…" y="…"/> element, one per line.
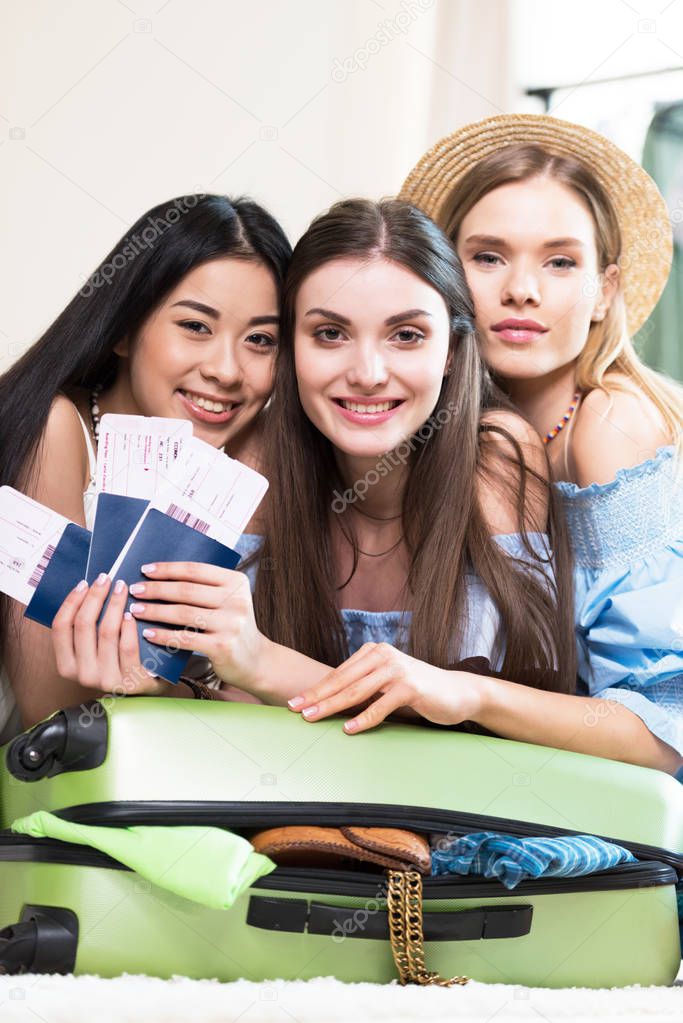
<point x="644" y="223"/>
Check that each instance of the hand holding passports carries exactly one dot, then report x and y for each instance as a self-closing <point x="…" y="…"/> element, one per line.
<point x="162" y="495"/>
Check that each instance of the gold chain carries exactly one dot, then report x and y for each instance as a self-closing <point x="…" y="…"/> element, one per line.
<point x="396" y="911"/>
<point x="404" y="906"/>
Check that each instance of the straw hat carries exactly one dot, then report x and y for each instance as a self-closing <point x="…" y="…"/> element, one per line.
<point x="646" y="235"/>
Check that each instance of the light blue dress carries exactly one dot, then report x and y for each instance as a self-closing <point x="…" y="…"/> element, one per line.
<point x="627" y="537"/>
<point x="482" y="635"/>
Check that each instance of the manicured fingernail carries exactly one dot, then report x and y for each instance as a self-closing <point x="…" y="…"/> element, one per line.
<point x="101" y="579"/>
<point x="137" y="589"/>
<point x="137" y="608"/>
<point x="295" y="702"/>
<point x="120" y="586"/>
<point x="310" y="711"/>
<point x="149" y="633"/>
<point x="83" y="585"/>
<point x="128" y="616"/>
<point x="350" y="726"/>
<point x="148" y="568"/>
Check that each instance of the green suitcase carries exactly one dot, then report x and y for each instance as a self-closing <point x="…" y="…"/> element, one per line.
<point x="245" y="767"/>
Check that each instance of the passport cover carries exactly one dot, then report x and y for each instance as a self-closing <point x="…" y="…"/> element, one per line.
<point x="64" y="570"/>
<point x="116" y="517"/>
<point x="162" y="538"/>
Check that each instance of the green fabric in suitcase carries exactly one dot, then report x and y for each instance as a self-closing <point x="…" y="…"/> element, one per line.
<point x="210" y="866"/>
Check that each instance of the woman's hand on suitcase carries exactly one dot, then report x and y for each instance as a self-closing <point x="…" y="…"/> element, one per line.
<point x="104" y="657"/>
<point x="390" y="679"/>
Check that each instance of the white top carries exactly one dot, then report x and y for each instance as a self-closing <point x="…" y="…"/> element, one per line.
<point x="10" y="720"/>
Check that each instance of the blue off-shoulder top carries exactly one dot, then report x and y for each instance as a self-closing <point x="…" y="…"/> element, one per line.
<point x="482" y="635"/>
<point x="627" y="537"/>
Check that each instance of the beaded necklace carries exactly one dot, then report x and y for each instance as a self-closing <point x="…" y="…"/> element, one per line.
<point x="95" y="412"/>
<point x="565" y="419"/>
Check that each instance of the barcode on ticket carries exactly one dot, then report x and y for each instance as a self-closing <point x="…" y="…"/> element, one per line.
<point x="187" y="518"/>
<point x="39" y="570"/>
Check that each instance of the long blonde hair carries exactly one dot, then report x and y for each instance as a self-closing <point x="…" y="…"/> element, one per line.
<point x="608" y="348"/>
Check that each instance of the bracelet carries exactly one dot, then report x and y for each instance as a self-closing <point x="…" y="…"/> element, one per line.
<point x="200" y="690"/>
<point x="209" y="676"/>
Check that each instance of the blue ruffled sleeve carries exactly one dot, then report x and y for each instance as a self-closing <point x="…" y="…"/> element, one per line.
<point x="627" y="537"/>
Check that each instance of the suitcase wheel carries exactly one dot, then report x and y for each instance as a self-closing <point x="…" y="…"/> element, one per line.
<point x="44" y="941"/>
<point x="70" y="740"/>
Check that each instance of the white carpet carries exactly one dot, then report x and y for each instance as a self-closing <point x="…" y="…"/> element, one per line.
<point x="134" y="999"/>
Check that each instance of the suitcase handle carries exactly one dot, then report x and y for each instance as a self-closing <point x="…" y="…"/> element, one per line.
<point x="296" y="915"/>
<point x="44" y="941"/>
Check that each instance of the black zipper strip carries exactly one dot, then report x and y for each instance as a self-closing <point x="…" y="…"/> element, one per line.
<point x="622" y="877"/>
<point x="267" y="814"/>
<point x="23" y="849"/>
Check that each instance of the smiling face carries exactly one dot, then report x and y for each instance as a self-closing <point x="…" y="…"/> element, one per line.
<point x="207" y="352"/>
<point x="371" y="346"/>
<point x="530" y="257"/>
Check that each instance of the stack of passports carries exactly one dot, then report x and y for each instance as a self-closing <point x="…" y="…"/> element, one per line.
<point x="82" y="555"/>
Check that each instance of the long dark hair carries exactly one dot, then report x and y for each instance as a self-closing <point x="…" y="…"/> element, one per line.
<point x="77" y="350"/>
<point x="444" y="528"/>
<point x="164" y="245"/>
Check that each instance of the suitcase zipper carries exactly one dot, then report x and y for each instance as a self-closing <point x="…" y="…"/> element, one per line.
<point x="626" y="875"/>
<point x="266" y="814"/>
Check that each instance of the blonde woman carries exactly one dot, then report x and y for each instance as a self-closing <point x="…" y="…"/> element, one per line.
<point x="566" y="246"/>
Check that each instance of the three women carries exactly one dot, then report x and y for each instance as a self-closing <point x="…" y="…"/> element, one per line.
<point x="457" y="552"/>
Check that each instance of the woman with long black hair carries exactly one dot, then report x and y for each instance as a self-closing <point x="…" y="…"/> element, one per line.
<point x="179" y="320"/>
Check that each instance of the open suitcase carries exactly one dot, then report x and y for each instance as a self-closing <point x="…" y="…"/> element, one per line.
<point x="247" y="767"/>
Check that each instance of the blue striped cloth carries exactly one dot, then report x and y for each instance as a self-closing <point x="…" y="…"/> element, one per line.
<point x="512" y="859"/>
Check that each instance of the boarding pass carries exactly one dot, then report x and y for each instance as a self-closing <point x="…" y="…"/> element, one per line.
<point x="136" y="454"/>
<point x="209" y="492"/>
<point x="29" y="537"/>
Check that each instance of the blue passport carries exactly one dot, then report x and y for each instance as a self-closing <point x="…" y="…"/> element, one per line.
<point x="64" y="570"/>
<point x="162" y="538"/>
<point x="116" y="517"/>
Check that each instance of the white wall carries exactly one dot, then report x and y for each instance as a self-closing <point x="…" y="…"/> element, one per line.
<point x="109" y="107"/>
<point x="556" y="43"/>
